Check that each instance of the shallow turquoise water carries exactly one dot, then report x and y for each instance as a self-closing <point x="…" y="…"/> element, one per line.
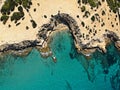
<point x="71" y="72"/>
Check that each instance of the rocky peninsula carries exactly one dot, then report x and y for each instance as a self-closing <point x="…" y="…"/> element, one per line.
<point x="92" y="27"/>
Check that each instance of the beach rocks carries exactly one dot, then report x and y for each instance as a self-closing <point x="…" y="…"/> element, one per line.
<point x="18" y="46"/>
<point x="117" y="44"/>
<point x="60" y="18"/>
<point x="46" y="54"/>
<point x="66" y="19"/>
<point x="112" y="36"/>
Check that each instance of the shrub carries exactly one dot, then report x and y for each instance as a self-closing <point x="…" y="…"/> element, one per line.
<point x="4" y="18"/>
<point x="83" y="24"/>
<point x="26" y="4"/>
<point x="79" y="1"/>
<point x="20" y="9"/>
<point x="34" y="25"/>
<point x="92" y="3"/>
<point x="77" y="16"/>
<point x="83" y="8"/>
<point x="27" y="27"/>
<point x="19" y="1"/>
<point x="103" y="12"/>
<point x="45" y="16"/>
<point x="17" y="16"/>
<point x="18" y="24"/>
<point x="87" y="13"/>
<point x="93" y="18"/>
<point x="99" y="3"/>
<point x="113" y="4"/>
<point x="90" y="30"/>
<point x="5" y="8"/>
<point x="34" y="9"/>
<point x="9" y="5"/>
<point x="85" y="1"/>
<point x="12" y="5"/>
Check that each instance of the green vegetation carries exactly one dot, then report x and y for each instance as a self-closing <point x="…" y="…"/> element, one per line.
<point x="83" y="24"/>
<point x="17" y="24"/>
<point x="93" y="18"/>
<point x="17" y="16"/>
<point x="19" y="1"/>
<point x="103" y="12"/>
<point x="113" y="4"/>
<point x="87" y="14"/>
<point x="45" y="16"/>
<point x="20" y="9"/>
<point x="77" y="16"/>
<point x="84" y="1"/>
<point x="83" y="8"/>
<point x="26" y="4"/>
<point x="10" y="5"/>
<point x="34" y="25"/>
<point x="79" y="1"/>
<point x="9" y="25"/>
<point x="99" y="3"/>
<point x="93" y="3"/>
<point x="34" y="10"/>
<point x="27" y="27"/>
<point x="4" y="18"/>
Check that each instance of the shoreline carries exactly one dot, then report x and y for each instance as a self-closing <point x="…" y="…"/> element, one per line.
<point x="85" y="49"/>
<point x="87" y="39"/>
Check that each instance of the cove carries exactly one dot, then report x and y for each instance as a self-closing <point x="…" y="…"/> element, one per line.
<point x="71" y="72"/>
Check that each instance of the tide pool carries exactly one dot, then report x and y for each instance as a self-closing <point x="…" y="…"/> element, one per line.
<point x="71" y="72"/>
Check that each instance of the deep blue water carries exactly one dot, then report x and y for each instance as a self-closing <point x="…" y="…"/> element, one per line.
<point x="72" y="71"/>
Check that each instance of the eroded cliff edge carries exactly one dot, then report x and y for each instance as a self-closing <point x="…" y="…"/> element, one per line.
<point x="91" y="26"/>
<point x="75" y="31"/>
<point x="46" y="31"/>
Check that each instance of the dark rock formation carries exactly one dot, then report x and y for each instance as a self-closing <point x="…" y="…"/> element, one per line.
<point x="60" y="18"/>
<point x="18" y="46"/>
<point x="67" y="20"/>
<point x="113" y="36"/>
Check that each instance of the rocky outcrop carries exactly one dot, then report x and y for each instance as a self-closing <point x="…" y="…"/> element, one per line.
<point x="18" y="46"/>
<point x="111" y="35"/>
<point x="117" y="44"/>
<point x="61" y="19"/>
<point x="74" y="29"/>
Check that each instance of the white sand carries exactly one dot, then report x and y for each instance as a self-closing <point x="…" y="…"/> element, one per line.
<point x="51" y="7"/>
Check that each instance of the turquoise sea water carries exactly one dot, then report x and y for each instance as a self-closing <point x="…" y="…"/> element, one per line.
<point x="71" y="72"/>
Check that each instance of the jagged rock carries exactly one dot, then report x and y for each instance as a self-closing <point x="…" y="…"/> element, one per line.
<point x="66" y="19"/>
<point x="117" y="44"/>
<point x="18" y="46"/>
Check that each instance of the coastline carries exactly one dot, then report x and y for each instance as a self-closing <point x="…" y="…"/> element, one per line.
<point x="59" y="44"/>
<point x="39" y="36"/>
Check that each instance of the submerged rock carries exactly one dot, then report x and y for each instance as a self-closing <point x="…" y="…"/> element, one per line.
<point x="115" y="80"/>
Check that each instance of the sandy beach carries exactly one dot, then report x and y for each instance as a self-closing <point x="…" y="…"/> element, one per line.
<point x="16" y="34"/>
